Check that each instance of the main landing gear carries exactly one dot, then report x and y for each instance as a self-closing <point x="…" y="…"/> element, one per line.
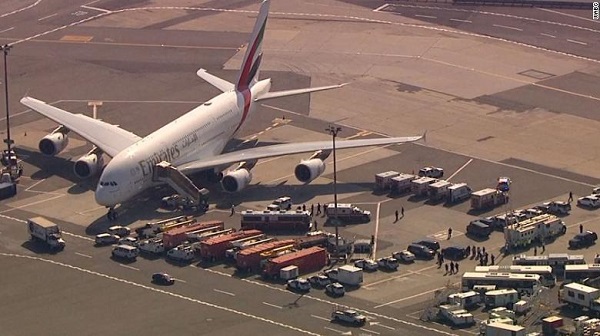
<point x="112" y="214"/>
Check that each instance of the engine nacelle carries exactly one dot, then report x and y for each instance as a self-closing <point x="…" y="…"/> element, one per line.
<point x="88" y="165"/>
<point x="236" y="180"/>
<point x="54" y="143"/>
<point x="308" y="170"/>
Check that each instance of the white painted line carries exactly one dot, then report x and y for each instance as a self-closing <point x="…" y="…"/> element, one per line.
<point x="272" y="305"/>
<point x="569" y="15"/>
<point x="21" y="9"/>
<point x="382" y="325"/>
<point x="578" y="42"/>
<point x="321" y="318"/>
<point x="223" y="292"/>
<point x="130" y="267"/>
<point x="83" y="255"/>
<point x="5" y="30"/>
<point x="408" y="297"/>
<point x="47" y="16"/>
<point x="332" y="329"/>
<point x="459" y="169"/>
<point x="36" y="183"/>
<point x="548" y="35"/>
<point x="96" y="8"/>
<point x="461" y="20"/>
<point x="91" y="2"/>
<point x="376" y="230"/>
<point x="398" y="276"/>
<point x="32" y="203"/>
<point x="380" y="8"/>
<point x="158" y="290"/>
<point x="369" y="331"/>
<point x="426" y="16"/>
<point x="77" y="236"/>
<point x="507" y="27"/>
<point x="179" y="280"/>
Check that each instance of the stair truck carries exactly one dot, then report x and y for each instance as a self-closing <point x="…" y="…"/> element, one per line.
<point x="47" y="232"/>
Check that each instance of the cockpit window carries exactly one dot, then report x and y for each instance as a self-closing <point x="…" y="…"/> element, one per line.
<point x="110" y="183"/>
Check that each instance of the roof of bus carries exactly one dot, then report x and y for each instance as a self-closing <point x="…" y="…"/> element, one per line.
<point x="583" y="267"/>
<point x="499" y="275"/>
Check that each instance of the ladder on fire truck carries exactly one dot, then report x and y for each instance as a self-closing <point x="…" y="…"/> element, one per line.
<point x="165" y="172"/>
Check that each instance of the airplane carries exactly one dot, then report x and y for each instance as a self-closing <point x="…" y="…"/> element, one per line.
<point x="192" y="143"/>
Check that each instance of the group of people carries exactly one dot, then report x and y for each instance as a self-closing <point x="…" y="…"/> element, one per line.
<point x="480" y="254"/>
<point x="452" y="268"/>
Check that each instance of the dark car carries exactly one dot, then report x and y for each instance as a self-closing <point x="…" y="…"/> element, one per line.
<point x="583" y="239"/>
<point x="454" y="252"/>
<point x="420" y="251"/>
<point x="429" y="243"/>
<point x="162" y="279"/>
<point x="479" y="228"/>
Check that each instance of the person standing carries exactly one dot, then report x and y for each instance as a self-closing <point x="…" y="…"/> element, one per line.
<point x="446" y="267"/>
<point x="396" y="215"/>
<point x="303" y="207"/>
<point x="570" y="197"/>
<point x="402" y="211"/>
<point x="456" y="267"/>
<point x="449" y="233"/>
<point x="580" y="228"/>
<point x="318" y="208"/>
<point x="451" y="267"/>
<point x="493" y="260"/>
<point x="312" y="209"/>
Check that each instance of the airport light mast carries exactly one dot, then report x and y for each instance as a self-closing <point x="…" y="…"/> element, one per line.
<point x="5" y="48"/>
<point x="334" y="132"/>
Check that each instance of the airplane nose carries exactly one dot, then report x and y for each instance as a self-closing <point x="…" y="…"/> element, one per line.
<point x="103" y="197"/>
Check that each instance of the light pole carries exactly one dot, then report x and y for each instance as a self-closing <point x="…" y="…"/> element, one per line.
<point x="334" y="132"/>
<point x="5" y="48"/>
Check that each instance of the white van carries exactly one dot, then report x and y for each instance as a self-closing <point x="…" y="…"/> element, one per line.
<point x="125" y="252"/>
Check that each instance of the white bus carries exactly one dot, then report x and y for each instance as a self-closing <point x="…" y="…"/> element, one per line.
<point x="557" y="261"/>
<point x="523" y="283"/>
<point x="545" y="272"/>
<point x="577" y="273"/>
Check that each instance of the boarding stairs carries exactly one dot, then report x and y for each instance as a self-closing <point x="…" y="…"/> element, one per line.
<point x="165" y="172"/>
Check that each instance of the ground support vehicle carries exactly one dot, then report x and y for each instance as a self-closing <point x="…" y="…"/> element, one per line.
<point x="299" y="285"/>
<point x="335" y="289"/>
<point x="439" y="191"/>
<point x="153" y="228"/>
<point x="581" y="296"/>
<point x="366" y="265"/>
<point x="434" y="172"/>
<point x="420" y="186"/>
<point x="282" y="203"/>
<point x="488" y="198"/>
<point x="388" y="263"/>
<point x="249" y="260"/>
<point x="348" y="316"/>
<point x="121" y="231"/>
<point x="456" y="315"/>
<point x="312" y="240"/>
<point x="182" y="253"/>
<point x="401" y="184"/>
<point x="458" y="192"/>
<point x="125" y="252"/>
<point x="293" y="220"/>
<point x="47" y="232"/>
<point x="347" y="212"/>
<point x="214" y="248"/>
<point x="533" y="230"/>
<point x="152" y="246"/>
<point x="8" y="188"/>
<point x="383" y="180"/>
<point x="347" y="275"/>
<point x="307" y="260"/>
<point x="319" y="280"/>
<point x="179" y="234"/>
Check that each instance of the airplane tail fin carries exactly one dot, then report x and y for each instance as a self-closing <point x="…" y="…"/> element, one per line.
<point x="251" y="63"/>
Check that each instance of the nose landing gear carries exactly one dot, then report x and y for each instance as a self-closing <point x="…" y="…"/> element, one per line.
<point x="112" y="214"/>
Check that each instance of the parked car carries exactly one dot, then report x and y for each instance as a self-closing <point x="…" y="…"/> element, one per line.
<point x="591" y="201"/>
<point x="319" y="280"/>
<point x="131" y="241"/>
<point x="299" y="284"/>
<point x="454" y="252"/>
<point x="348" y="316"/>
<point x="532" y="212"/>
<point x="388" y="263"/>
<point x="119" y="230"/>
<point x="106" y="239"/>
<point x="596" y="191"/>
<point x="434" y="172"/>
<point x="366" y="264"/>
<point x="335" y="289"/>
<point x="430" y="243"/>
<point x="583" y="239"/>
<point x="404" y="256"/>
<point x="421" y="251"/>
<point x="125" y="252"/>
<point x="162" y="279"/>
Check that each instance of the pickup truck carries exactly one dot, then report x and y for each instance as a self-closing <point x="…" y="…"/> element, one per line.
<point x="348" y="316"/>
<point x="389" y="263"/>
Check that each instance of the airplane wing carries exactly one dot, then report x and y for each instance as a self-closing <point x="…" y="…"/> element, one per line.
<point x="111" y="139"/>
<point x="286" y="149"/>
<point x="277" y="94"/>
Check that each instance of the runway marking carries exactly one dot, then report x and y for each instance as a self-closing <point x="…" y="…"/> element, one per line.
<point x="461" y="20"/>
<point x="578" y="42"/>
<point x="21" y="9"/>
<point x="76" y="38"/>
<point x="47" y="16"/>
<point x="380" y="8"/>
<point x="223" y="292"/>
<point x="507" y="27"/>
<point x="179" y="280"/>
<point x="33" y="185"/>
<point x="376" y="323"/>
<point x="32" y="203"/>
<point x="91" y="2"/>
<point x="459" y="169"/>
<point x="332" y="329"/>
<point x="13" y="218"/>
<point x="272" y="305"/>
<point x="321" y="318"/>
<point x="408" y="297"/>
<point x="157" y="290"/>
<point x="548" y="35"/>
<point x="5" y="30"/>
<point x="83" y="255"/>
<point x="426" y="16"/>
<point x="569" y="15"/>
<point x="91" y="210"/>
<point x="376" y="230"/>
<point x="77" y="236"/>
<point x="96" y="8"/>
<point x="370" y="331"/>
<point x="130" y="267"/>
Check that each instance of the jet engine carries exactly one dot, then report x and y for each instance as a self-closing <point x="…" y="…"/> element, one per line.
<point x="313" y="167"/>
<point x="54" y="142"/>
<point x="236" y="180"/>
<point x="89" y="164"/>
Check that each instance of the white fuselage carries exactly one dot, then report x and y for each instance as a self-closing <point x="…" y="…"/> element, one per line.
<point x="201" y="133"/>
